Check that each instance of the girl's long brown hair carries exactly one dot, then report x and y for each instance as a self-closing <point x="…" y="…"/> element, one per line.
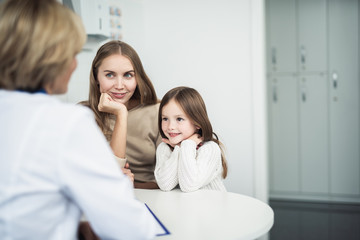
<point x="194" y="107"/>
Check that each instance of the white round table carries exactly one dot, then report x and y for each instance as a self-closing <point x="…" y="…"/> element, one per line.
<point x="206" y="214"/>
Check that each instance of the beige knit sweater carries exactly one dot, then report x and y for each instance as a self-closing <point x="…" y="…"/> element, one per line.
<point x="143" y="137"/>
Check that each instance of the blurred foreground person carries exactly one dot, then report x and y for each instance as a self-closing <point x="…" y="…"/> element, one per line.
<point x="55" y="163"/>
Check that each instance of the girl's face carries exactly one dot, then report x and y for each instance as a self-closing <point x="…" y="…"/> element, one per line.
<point x="175" y="123"/>
<point x="116" y="77"/>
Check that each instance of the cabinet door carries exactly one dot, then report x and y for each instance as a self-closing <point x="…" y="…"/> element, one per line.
<point x="281" y="30"/>
<point x="94" y="14"/>
<point x="344" y="96"/>
<point x="284" y="117"/>
<point x="314" y="134"/>
<point x="312" y="45"/>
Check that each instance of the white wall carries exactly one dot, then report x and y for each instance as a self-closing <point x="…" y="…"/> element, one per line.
<point x="207" y="45"/>
<point x="217" y="47"/>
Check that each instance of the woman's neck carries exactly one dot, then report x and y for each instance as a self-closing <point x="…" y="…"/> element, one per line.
<point x="132" y="104"/>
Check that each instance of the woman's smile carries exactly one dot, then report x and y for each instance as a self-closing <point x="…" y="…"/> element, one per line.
<point x="118" y="95"/>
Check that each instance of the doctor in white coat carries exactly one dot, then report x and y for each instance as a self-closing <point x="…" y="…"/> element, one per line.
<point x="55" y="163"/>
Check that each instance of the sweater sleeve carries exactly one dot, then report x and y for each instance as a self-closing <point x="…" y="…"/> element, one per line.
<point x="197" y="168"/>
<point x="166" y="167"/>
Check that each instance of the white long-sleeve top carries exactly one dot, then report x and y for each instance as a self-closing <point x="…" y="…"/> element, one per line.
<point x="189" y="167"/>
<point x="55" y="165"/>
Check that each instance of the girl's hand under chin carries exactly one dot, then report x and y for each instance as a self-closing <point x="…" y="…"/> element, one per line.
<point x="107" y="104"/>
<point x="196" y="138"/>
<point x="167" y="141"/>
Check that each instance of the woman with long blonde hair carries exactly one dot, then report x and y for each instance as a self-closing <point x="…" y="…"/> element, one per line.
<point x="125" y="105"/>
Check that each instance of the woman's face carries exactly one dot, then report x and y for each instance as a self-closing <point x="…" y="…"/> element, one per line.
<point x="116" y="77"/>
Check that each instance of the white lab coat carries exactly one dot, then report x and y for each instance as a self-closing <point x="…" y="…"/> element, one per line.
<point x="55" y="165"/>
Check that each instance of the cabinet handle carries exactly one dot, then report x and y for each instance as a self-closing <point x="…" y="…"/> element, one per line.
<point x="302" y="54"/>
<point x="273" y="55"/>
<point x="275" y="97"/>
<point x="335" y="79"/>
<point x="303" y="94"/>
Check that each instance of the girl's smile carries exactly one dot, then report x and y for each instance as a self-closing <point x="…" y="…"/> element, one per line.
<point x="172" y="135"/>
<point x="175" y="124"/>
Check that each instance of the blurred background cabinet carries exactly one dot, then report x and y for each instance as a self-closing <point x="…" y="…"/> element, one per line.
<point x="95" y="16"/>
<point x="314" y="85"/>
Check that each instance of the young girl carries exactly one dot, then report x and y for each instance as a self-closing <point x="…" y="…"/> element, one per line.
<point x="190" y="154"/>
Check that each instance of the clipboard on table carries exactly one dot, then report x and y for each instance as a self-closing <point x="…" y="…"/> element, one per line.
<point x="161" y="230"/>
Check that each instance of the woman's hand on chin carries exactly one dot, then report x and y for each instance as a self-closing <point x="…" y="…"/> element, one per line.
<point x="107" y="104"/>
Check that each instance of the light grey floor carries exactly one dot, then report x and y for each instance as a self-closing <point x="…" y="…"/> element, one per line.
<point x="308" y="220"/>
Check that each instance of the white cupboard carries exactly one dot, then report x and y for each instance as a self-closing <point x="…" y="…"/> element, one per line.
<point x="344" y="86"/>
<point x="284" y="119"/>
<point x="314" y="85"/>
<point x="95" y="17"/>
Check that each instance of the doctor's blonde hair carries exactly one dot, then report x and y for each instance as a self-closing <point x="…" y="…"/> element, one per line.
<point x="39" y="40"/>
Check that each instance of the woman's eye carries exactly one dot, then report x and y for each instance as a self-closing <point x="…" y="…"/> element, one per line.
<point x="128" y="75"/>
<point x="109" y="75"/>
<point x="180" y="119"/>
<point x="164" y="119"/>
